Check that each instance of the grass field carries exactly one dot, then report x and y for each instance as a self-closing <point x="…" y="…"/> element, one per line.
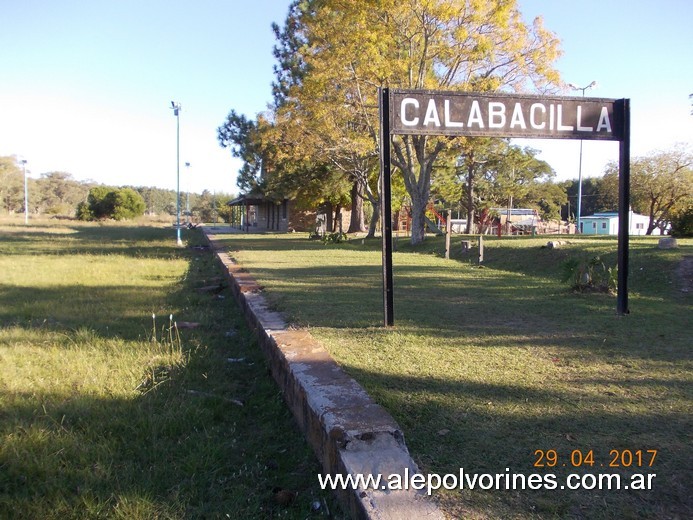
<point x="109" y="410"/>
<point x="485" y="366"/>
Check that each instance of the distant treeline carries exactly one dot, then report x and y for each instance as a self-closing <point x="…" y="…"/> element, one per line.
<point x="58" y="193"/>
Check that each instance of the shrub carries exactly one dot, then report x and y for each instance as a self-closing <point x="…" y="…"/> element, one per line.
<point x="116" y="203"/>
<point x="328" y="238"/>
<point x="127" y="204"/>
<point x="590" y="275"/>
<point x="84" y="211"/>
<point x="334" y="238"/>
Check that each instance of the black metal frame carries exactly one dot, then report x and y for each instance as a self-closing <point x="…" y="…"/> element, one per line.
<point x="622" y="113"/>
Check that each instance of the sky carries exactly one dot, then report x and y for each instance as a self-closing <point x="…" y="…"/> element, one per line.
<point x="86" y="87"/>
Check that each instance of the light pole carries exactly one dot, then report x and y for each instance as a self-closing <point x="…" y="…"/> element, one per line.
<point x="176" y="111"/>
<point x="579" y="201"/>
<point x="26" y="195"/>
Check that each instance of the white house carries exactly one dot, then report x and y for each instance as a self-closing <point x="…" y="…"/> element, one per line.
<point x="607" y="224"/>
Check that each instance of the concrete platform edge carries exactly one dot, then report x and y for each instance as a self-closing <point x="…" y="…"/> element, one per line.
<point x="348" y="431"/>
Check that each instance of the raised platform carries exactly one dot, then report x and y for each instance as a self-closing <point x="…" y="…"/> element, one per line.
<point x="349" y="432"/>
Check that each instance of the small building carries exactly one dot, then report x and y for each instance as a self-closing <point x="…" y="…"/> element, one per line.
<point x="607" y="224"/>
<point x="517" y="221"/>
<point x="258" y="214"/>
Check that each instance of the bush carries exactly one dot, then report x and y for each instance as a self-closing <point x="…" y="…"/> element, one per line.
<point x="84" y="211"/>
<point x="127" y="204"/>
<point x="334" y="238"/>
<point x="590" y="275"/>
<point x="328" y="238"/>
<point x="116" y="203"/>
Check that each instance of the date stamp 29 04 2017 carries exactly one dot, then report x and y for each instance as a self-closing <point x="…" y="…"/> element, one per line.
<point x="617" y="458"/>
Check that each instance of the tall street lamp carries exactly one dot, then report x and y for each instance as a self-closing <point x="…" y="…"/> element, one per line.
<point x="26" y="195"/>
<point x="579" y="201"/>
<point x="176" y="111"/>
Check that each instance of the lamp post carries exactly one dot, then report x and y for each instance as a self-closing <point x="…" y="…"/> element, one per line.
<point x="26" y="195"/>
<point x="176" y="111"/>
<point x="579" y="201"/>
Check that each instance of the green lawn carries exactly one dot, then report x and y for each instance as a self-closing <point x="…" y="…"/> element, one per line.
<point x="107" y="410"/>
<point x="487" y="365"/>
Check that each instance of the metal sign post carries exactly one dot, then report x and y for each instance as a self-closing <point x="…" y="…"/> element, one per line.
<point x="623" y="208"/>
<point x="386" y="206"/>
<point x="424" y="112"/>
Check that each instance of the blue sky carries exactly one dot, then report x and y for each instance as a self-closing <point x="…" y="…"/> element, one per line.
<point x="85" y="87"/>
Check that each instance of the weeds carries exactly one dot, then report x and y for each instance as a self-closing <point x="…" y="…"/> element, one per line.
<point x="329" y="238"/>
<point x="591" y="275"/>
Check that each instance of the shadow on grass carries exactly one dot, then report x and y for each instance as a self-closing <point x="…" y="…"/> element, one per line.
<point x="129" y="241"/>
<point x="497" y="428"/>
<point x="480" y="305"/>
<point x="612" y="383"/>
<point x="211" y="438"/>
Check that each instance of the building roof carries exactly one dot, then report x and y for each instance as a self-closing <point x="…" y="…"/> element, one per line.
<point x="251" y="200"/>
<point x="515" y="211"/>
<point x="597" y="216"/>
<point x="612" y="214"/>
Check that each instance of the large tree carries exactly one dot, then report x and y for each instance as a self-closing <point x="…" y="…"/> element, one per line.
<point x="492" y="173"/>
<point x="242" y="136"/>
<point x="11" y="185"/>
<point x="351" y="48"/>
<point x="59" y="193"/>
<point x="598" y="194"/>
<point x="320" y="118"/>
<point x="661" y="184"/>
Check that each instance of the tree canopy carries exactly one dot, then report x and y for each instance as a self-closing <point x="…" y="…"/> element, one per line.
<point x="111" y="203"/>
<point x="661" y="185"/>
<point x="334" y="54"/>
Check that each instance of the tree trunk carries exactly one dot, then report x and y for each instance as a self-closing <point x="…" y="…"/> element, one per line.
<point x="374" y="220"/>
<point x="337" y="218"/>
<point x="328" y="216"/>
<point x="470" y="200"/>
<point x="357" y="224"/>
<point x="418" y="220"/>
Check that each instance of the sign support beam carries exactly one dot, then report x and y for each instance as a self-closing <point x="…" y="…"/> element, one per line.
<point x="623" y="208"/>
<point x="386" y="206"/>
<point x="423" y="112"/>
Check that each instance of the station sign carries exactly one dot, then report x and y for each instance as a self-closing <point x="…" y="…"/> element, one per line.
<point x="420" y="112"/>
<point x="487" y="114"/>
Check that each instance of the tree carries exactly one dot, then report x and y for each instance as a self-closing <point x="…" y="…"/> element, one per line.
<point x="493" y="173"/>
<point x="11" y="184"/>
<point x="158" y="201"/>
<point x="59" y="193"/>
<point x="242" y="136"/>
<point x="351" y="48"/>
<point x="117" y="203"/>
<point x="317" y="119"/>
<point x="662" y="185"/>
<point x="127" y="204"/>
<point x="208" y="206"/>
<point x="548" y="197"/>
<point x="99" y="203"/>
<point x="290" y="67"/>
<point x="481" y="157"/>
<point x="598" y="194"/>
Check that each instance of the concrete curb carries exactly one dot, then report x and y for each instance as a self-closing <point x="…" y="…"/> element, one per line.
<point x="348" y="431"/>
